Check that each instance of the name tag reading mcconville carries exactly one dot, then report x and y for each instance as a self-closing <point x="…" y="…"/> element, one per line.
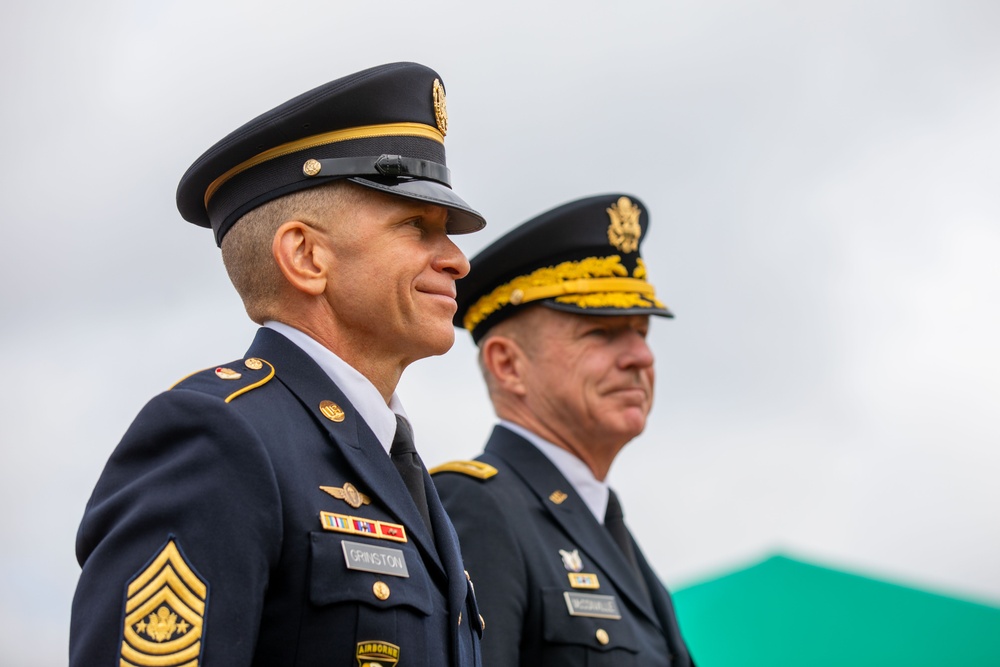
<point x="594" y="606"/>
<point x="369" y="558"/>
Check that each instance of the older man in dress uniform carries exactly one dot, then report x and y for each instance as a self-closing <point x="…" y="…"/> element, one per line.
<point x="560" y="309"/>
<point x="272" y="510"/>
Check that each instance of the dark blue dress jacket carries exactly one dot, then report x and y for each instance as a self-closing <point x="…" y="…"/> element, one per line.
<point x="204" y="542"/>
<point x="539" y="604"/>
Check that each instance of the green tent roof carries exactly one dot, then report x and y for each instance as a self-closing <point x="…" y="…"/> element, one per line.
<point x="782" y="612"/>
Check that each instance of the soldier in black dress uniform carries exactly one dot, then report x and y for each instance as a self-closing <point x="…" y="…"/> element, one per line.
<point x="560" y="309"/>
<point x="272" y="510"/>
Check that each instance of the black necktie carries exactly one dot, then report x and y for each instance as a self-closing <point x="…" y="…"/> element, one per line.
<point x="411" y="468"/>
<point x="614" y="521"/>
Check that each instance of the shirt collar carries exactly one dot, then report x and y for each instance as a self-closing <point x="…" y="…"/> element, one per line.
<point x="358" y="389"/>
<point x="593" y="491"/>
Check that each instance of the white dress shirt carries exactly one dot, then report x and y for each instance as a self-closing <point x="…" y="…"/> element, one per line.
<point x="358" y="389"/>
<point x="593" y="491"/>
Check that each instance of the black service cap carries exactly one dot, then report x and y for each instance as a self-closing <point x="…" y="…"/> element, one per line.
<point x="382" y="128"/>
<point x="581" y="257"/>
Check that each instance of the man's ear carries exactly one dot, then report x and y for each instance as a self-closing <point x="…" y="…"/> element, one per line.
<point x="505" y="360"/>
<point x="302" y="257"/>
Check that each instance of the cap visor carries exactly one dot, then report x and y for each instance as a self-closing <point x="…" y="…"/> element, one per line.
<point x="463" y="218"/>
<point x="604" y="312"/>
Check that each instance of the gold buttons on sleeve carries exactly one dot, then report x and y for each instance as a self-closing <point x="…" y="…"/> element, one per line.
<point x="602" y="636"/>
<point x="381" y="590"/>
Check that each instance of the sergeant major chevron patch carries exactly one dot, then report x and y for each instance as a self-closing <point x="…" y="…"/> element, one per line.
<point x="164" y="613"/>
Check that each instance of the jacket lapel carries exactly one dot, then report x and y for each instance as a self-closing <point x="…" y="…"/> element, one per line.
<point x="352" y="436"/>
<point x="572" y="515"/>
<point x="451" y="557"/>
<point x="665" y="611"/>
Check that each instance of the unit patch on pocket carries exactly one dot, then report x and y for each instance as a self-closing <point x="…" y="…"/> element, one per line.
<point x="377" y="654"/>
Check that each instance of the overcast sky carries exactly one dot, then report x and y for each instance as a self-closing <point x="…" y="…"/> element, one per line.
<point x="822" y="183"/>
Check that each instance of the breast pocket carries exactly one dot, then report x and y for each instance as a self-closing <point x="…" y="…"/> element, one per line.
<point x="584" y="640"/>
<point x="357" y="589"/>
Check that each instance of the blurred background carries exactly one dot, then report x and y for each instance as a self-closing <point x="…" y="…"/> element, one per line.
<point x="822" y="184"/>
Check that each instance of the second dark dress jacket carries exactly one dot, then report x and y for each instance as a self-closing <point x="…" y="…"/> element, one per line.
<point x="515" y="528"/>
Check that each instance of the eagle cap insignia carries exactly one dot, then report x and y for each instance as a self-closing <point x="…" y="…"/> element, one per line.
<point x="571" y="560"/>
<point x="624" y="230"/>
<point x="440" y="107"/>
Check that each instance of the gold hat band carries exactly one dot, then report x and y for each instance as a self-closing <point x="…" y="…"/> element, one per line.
<point x="584" y="286"/>
<point x="364" y="132"/>
<point x="560" y="281"/>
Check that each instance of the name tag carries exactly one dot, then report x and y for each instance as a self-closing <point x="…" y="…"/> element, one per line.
<point x="380" y="560"/>
<point x="594" y="606"/>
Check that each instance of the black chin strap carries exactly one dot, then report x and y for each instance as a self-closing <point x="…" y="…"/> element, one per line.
<point x="391" y="166"/>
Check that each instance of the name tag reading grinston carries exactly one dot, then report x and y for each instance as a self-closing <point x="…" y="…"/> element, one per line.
<point x="591" y="605"/>
<point x="380" y="560"/>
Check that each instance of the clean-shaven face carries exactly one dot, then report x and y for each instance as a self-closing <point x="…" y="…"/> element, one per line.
<point x="394" y="290"/>
<point x="590" y="376"/>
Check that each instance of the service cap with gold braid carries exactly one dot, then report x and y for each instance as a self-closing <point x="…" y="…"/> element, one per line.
<point x="581" y="257"/>
<point x="382" y="128"/>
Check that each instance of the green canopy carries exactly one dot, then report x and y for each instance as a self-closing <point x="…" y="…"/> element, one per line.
<point x="782" y="612"/>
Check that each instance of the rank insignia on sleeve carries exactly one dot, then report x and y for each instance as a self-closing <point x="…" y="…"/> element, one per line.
<point x="164" y="613"/>
<point x="355" y="525"/>
<point x="377" y="654"/>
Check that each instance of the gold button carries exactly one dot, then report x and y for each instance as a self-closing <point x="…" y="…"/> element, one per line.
<point x="381" y="590"/>
<point x="311" y="167"/>
<point x="331" y="411"/>
<point x="460" y="618"/>
<point x="602" y="636"/>
<point x="516" y="297"/>
<point x="254" y="364"/>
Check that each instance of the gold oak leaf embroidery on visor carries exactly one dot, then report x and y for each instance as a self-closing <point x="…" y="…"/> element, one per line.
<point x="164" y="613"/>
<point x="594" y="282"/>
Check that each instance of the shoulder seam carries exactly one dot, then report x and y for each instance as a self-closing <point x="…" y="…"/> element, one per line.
<point x="241" y="390"/>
